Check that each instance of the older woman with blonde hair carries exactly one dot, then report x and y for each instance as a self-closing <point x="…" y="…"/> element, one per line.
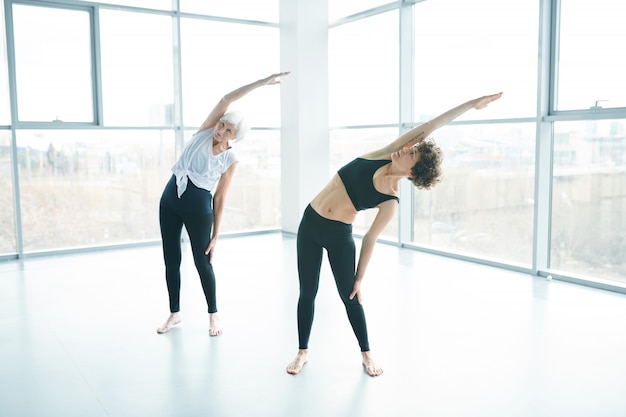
<point x="195" y="197"/>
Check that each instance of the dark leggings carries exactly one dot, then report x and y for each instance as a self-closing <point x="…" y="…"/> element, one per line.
<point x="194" y="211"/>
<point x="315" y="234"/>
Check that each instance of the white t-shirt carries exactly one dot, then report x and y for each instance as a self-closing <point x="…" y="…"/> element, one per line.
<point x="198" y="163"/>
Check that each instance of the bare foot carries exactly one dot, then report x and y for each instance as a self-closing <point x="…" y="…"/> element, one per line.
<point x="214" y="325"/>
<point x="172" y="321"/>
<point x="296" y="365"/>
<point x="371" y="367"/>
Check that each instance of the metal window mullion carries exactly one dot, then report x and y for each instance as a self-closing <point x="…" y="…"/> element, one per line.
<point x="543" y="140"/>
<point x="406" y="110"/>
<point x="10" y="45"/>
<point x="10" y="39"/>
<point x="19" y="239"/>
<point x="96" y="65"/>
<point x="179" y="121"/>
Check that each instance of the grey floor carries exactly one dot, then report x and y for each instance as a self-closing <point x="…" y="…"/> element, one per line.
<point x="77" y="338"/>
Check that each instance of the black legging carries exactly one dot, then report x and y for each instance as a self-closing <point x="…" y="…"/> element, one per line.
<point x="314" y="234"/>
<point x="194" y="210"/>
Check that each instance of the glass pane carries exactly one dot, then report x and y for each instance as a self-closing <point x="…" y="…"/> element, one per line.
<point x="212" y="67"/>
<point x="363" y="71"/>
<point x="147" y="4"/>
<point x="589" y="199"/>
<point x="254" y="199"/>
<point x="259" y="10"/>
<point x="343" y="8"/>
<point x="137" y="69"/>
<point x="53" y="64"/>
<point x="5" y="109"/>
<point x="347" y="144"/>
<point x="83" y="188"/>
<point x="590" y="71"/>
<point x="7" y="214"/>
<point x="460" y="58"/>
<point x="484" y="205"/>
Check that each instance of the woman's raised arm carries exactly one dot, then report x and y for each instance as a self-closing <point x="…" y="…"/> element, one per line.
<point x="222" y="106"/>
<point x="421" y="132"/>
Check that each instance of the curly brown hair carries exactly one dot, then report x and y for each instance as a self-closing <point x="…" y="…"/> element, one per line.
<point x="427" y="172"/>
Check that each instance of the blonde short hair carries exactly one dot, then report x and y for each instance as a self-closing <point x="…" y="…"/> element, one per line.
<point x="241" y="124"/>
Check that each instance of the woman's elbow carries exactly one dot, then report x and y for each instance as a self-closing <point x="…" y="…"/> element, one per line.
<point x="368" y="239"/>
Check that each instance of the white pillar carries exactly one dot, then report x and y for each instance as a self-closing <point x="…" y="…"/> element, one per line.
<point x="304" y="105"/>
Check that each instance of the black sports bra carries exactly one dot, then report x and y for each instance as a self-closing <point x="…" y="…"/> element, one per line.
<point x="358" y="178"/>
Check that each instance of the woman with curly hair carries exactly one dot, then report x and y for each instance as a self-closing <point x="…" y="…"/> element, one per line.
<point x="371" y="180"/>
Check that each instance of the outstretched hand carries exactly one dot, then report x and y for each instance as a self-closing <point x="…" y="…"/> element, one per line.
<point x="482" y="102"/>
<point x="275" y="78"/>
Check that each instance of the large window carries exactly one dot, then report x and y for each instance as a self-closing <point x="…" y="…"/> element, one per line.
<point x="212" y="67"/>
<point x="53" y="64"/>
<point x="589" y="163"/>
<point x="590" y="65"/>
<point x="116" y="67"/>
<point x="589" y="199"/>
<point x="484" y="205"/>
<point x="254" y="197"/>
<point x="218" y="57"/>
<point x="458" y="58"/>
<point x="144" y="77"/>
<point x="137" y="69"/>
<point x="363" y="91"/>
<point x="363" y="71"/>
<point x="83" y="188"/>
